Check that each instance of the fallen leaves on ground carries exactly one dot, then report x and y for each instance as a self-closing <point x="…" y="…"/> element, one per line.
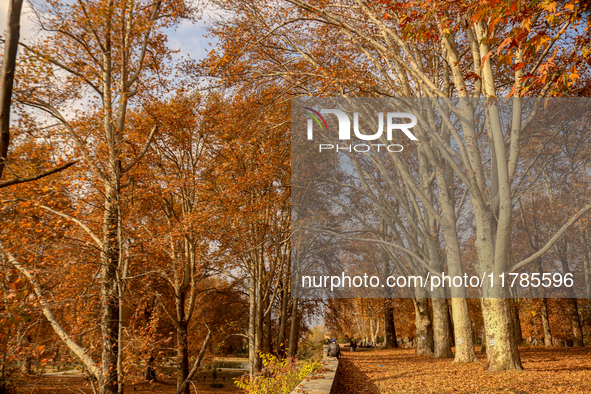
<point x="46" y="384"/>
<point x="547" y="370"/>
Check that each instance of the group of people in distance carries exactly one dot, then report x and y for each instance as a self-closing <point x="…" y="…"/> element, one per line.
<point x="334" y="350"/>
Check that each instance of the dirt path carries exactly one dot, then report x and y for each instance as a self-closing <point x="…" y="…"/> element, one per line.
<point x="554" y="370"/>
<point x="56" y="384"/>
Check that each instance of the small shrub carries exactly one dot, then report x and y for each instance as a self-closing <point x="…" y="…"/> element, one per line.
<point x="277" y="376"/>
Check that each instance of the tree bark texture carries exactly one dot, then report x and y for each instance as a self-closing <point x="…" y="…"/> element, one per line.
<point x="441" y="329"/>
<point x="390" y="341"/>
<point x="7" y="76"/>
<point x="502" y="352"/>
<point x="424" y="327"/>
<point x="546" y="323"/>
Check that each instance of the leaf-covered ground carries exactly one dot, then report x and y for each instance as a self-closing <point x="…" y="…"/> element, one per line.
<point x="554" y="370"/>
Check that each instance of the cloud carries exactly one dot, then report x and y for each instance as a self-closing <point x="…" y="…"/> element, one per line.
<point x="190" y="39"/>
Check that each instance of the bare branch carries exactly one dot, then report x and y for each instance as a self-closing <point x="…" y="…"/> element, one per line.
<point x="78" y="222"/>
<point x="79" y="351"/>
<point x="552" y="240"/>
<point x="143" y="152"/>
<point x="18" y="180"/>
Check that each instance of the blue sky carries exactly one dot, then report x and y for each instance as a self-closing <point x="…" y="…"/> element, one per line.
<point x="187" y="36"/>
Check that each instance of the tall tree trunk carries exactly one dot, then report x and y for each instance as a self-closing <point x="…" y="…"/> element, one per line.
<point x="267" y="346"/>
<point x="196" y="363"/>
<point x="459" y="305"/>
<point x="182" y="338"/>
<point x="182" y="354"/>
<point x="501" y="348"/>
<point x="546" y="323"/>
<point x="424" y="327"/>
<point x="281" y="338"/>
<point x="493" y="221"/>
<point x="441" y="318"/>
<point x="517" y="322"/>
<point x="7" y="76"/>
<point x="109" y="289"/>
<point x="572" y="308"/>
<point x="260" y="302"/>
<point x="120" y="376"/>
<point x="389" y="329"/>
<point x="441" y="329"/>
<point x="462" y="330"/>
<point x="575" y="321"/>
<point x="124" y="262"/>
<point x="544" y="307"/>
<point x="252" y="310"/>
<point x="293" y="328"/>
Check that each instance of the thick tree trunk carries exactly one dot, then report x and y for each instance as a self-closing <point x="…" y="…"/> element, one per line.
<point x="424" y="327"/>
<point x="462" y="323"/>
<point x="501" y="347"/>
<point x="546" y="323"/>
<point x="493" y="224"/>
<point x="109" y="291"/>
<point x="182" y="355"/>
<point x="502" y="352"/>
<point x="150" y="373"/>
<point x="441" y="329"/>
<point x="7" y="76"/>
<point x="462" y="331"/>
<point x="196" y="364"/>
<point x="389" y="329"/>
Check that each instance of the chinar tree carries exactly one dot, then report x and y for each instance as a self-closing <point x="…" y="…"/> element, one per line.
<point x="462" y="55"/>
<point x="98" y="61"/>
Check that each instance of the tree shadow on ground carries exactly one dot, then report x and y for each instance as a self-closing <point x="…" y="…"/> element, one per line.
<point x="350" y="379"/>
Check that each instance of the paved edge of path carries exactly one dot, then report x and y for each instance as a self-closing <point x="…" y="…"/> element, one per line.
<point x="321" y="382"/>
